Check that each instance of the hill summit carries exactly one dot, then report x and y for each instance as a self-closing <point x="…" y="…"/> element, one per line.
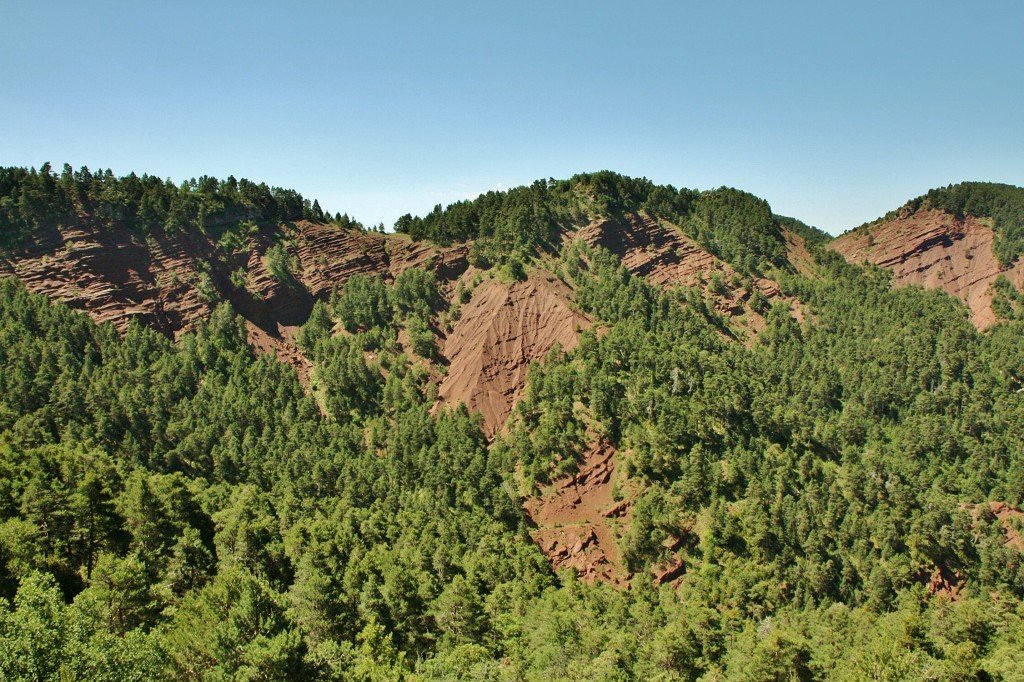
<point x="965" y="239"/>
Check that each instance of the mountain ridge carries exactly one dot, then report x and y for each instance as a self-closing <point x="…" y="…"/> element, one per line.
<point x="120" y="262"/>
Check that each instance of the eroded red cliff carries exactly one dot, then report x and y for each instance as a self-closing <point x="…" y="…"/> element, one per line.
<point x="499" y="333"/>
<point x="937" y="250"/>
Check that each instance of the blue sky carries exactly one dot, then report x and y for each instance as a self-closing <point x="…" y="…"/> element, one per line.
<point x="833" y="112"/>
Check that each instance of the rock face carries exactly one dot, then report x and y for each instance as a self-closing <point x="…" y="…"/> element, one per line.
<point x="575" y="519"/>
<point x="666" y="257"/>
<point x="936" y="250"/>
<point x="500" y="332"/>
<point x="660" y="253"/>
<point x="330" y="256"/>
<point x="116" y="276"/>
<point x="171" y="281"/>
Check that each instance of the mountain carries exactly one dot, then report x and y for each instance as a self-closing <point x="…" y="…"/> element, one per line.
<point x="959" y="239"/>
<point x="105" y="258"/>
<point x="591" y="428"/>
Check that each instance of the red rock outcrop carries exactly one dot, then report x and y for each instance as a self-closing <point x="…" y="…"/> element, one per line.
<point x="662" y="254"/>
<point x="330" y="256"/>
<point x="575" y="518"/>
<point x="500" y="331"/>
<point x="171" y="281"/>
<point x="658" y="252"/>
<point x="937" y="250"/>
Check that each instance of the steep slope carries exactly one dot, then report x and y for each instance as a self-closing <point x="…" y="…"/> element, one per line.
<point x="329" y="256"/>
<point x="500" y="332"/>
<point x="116" y="276"/>
<point x="118" y="262"/>
<point x="935" y="249"/>
<point x="576" y="517"/>
<point x="653" y="250"/>
<point x="662" y="254"/>
<point x="798" y="254"/>
<point x="171" y="281"/>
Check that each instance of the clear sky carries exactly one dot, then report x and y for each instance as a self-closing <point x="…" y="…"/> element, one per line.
<point x="835" y="112"/>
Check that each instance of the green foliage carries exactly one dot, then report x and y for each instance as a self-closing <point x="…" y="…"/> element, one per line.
<point x="363" y="304"/>
<point x="281" y="264"/>
<point x="32" y="199"/>
<point x="42" y="638"/>
<point x="737" y="227"/>
<point x="422" y="337"/>
<point x="415" y="293"/>
<point x="811" y="235"/>
<point x="510" y="226"/>
<point x="186" y="509"/>
<point x="235" y="628"/>
<point x="1007" y="300"/>
<point x="518" y="218"/>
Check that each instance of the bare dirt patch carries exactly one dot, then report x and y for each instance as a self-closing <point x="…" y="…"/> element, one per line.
<point x="936" y="250"/>
<point x="576" y="519"/>
<point x="501" y="330"/>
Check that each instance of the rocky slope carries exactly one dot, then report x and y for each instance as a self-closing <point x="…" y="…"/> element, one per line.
<point x="576" y="518"/>
<point x="500" y="332"/>
<point x="172" y="281"/>
<point x="666" y="257"/>
<point x="935" y="249"/>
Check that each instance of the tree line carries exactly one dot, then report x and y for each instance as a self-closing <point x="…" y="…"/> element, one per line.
<point x="31" y="199"/>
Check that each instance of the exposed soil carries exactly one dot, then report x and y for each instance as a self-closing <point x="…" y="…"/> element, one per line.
<point x="662" y="254"/>
<point x="945" y="582"/>
<point x="798" y="254"/>
<point x="576" y="518"/>
<point x="1010" y="518"/>
<point x="936" y="250"/>
<point x="671" y="572"/>
<point x="501" y="330"/>
<point x="172" y="281"/>
<point x="283" y="346"/>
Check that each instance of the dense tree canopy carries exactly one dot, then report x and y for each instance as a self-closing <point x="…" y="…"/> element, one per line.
<point x="30" y="199"/>
<point x="186" y="509"/>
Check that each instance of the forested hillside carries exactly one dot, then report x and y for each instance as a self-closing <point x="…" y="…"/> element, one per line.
<point x="800" y="472"/>
<point x="965" y="239"/>
<point x="1003" y="204"/>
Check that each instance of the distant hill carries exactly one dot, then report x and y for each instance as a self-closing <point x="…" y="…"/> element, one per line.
<point x="961" y="239"/>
